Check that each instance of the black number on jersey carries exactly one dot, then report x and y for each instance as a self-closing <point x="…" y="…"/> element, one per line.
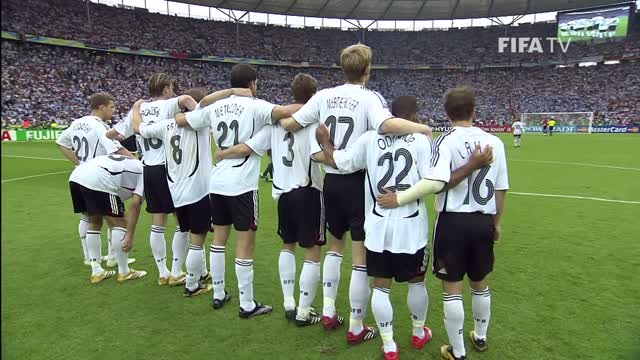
<point x="332" y="124"/>
<point x="475" y="188"/>
<point x="288" y="160"/>
<point x="391" y="159"/>
<point x="79" y="144"/>
<point x="152" y="144"/>
<point x="175" y="149"/>
<point x="224" y="128"/>
<point x="117" y="157"/>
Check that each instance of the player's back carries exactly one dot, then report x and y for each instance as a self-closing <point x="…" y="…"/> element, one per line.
<point x="394" y="163"/>
<point x="233" y="121"/>
<point x="517" y="128"/>
<point x="152" y="112"/>
<point x="188" y="159"/>
<point x="477" y="193"/>
<point x="86" y="136"/>
<point x="348" y="111"/>
<point x="115" y="174"/>
<point x="291" y="156"/>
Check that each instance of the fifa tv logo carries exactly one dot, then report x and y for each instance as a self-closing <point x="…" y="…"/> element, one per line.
<point x="527" y="45"/>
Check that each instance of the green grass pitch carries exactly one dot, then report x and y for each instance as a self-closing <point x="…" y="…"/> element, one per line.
<point x="565" y="285"/>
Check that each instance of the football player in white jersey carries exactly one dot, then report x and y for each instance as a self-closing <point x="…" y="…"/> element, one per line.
<point x="518" y="129"/>
<point x="163" y="105"/>
<point x="98" y="188"/>
<point x="297" y="186"/>
<point x="396" y="239"/>
<point x="188" y="161"/>
<point x="468" y="222"/>
<point x="233" y="183"/>
<point x="85" y="139"/>
<point x="349" y="111"/>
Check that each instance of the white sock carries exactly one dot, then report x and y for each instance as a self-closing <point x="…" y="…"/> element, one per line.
<point x="359" y="293"/>
<point x="287" y="269"/>
<point x="111" y="254"/>
<point x="216" y="261"/>
<point x="383" y="313"/>
<point x="244" y="273"/>
<point x="418" y="302"/>
<point x="453" y="322"/>
<point x="93" y="247"/>
<point x="82" y="231"/>
<point x="481" y="303"/>
<point x="330" y="282"/>
<point x="159" y="249"/>
<point x="309" y="279"/>
<point x="117" y="236"/>
<point x="194" y="266"/>
<point x="204" y="261"/>
<point x="179" y="247"/>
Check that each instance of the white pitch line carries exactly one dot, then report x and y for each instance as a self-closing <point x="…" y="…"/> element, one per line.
<point x="33" y="157"/>
<point x="35" y="176"/>
<point x="575" y="197"/>
<point x="576" y="163"/>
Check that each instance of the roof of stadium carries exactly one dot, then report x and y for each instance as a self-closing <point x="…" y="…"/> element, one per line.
<point x="400" y="9"/>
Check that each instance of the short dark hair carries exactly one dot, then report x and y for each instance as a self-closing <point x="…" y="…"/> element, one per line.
<point x="99" y="99"/>
<point x="242" y="75"/>
<point x="404" y="106"/>
<point x="304" y="86"/>
<point x="460" y="103"/>
<point x="158" y="82"/>
<point x="197" y="93"/>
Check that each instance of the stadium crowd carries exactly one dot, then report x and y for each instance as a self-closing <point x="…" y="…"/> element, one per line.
<point x="113" y="26"/>
<point x="51" y="84"/>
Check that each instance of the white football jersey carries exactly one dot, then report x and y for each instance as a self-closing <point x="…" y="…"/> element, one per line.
<point x="113" y="174"/>
<point x="396" y="162"/>
<point x="348" y="110"/>
<point x="152" y="149"/>
<point x="233" y="121"/>
<point x="477" y="193"/>
<point x="291" y="156"/>
<point x="518" y="128"/>
<point x="188" y="159"/>
<point x="87" y="137"/>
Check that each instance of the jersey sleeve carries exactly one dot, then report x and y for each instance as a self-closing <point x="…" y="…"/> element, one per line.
<point x="109" y="146"/>
<point x="440" y="169"/>
<point x="124" y="127"/>
<point x="314" y="147"/>
<point x="355" y="157"/>
<point x="502" y="178"/>
<point x="65" y="139"/>
<point x="377" y="111"/>
<point x="155" y="130"/>
<point x="309" y="113"/>
<point x="260" y="142"/>
<point x="262" y="112"/>
<point x="424" y="151"/>
<point x="198" y="119"/>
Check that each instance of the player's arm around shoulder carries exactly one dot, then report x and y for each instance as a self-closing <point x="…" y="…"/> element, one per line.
<point x="259" y="144"/>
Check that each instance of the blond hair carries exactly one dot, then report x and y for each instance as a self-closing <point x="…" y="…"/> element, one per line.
<point x="158" y="82"/>
<point x="355" y="61"/>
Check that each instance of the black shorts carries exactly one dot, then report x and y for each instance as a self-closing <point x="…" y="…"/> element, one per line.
<point x="402" y="267"/>
<point x="240" y="210"/>
<point x="130" y="143"/>
<point x="551" y="128"/>
<point x="195" y="217"/>
<point x="517" y="136"/>
<point x="301" y="217"/>
<point x="344" y="204"/>
<point x="156" y="190"/>
<point x="92" y="202"/>
<point x="463" y="244"/>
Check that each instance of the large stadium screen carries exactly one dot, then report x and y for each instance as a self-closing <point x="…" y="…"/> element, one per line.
<point x="595" y="23"/>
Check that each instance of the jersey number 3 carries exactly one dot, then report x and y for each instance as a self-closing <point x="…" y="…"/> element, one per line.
<point x="475" y="188"/>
